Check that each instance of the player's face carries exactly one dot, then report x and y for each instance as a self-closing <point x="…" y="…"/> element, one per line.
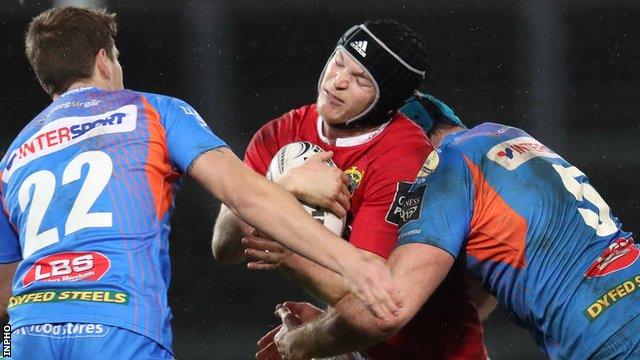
<point x="345" y="90"/>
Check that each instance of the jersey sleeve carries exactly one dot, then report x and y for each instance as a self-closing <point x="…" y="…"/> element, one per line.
<point x="439" y="205"/>
<point x="188" y="136"/>
<point x="375" y="226"/>
<point x="267" y="141"/>
<point x="9" y="240"/>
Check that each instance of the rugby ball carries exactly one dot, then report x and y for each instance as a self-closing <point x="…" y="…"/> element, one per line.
<point x="293" y="155"/>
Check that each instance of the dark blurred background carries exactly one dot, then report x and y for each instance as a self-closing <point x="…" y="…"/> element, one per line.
<point x="567" y="72"/>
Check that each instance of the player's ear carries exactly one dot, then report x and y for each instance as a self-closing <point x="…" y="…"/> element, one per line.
<point x="102" y="67"/>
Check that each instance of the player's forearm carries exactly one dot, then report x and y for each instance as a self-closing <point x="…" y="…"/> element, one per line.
<point x="227" y="235"/>
<point x="336" y="333"/>
<point x="297" y="231"/>
<point x="271" y="209"/>
<point x="320" y="282"/>
<point x="288" y="183"/>
<point x="418" y="270"/>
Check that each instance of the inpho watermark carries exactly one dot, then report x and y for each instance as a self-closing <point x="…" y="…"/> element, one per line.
<point x="6" y="341"/>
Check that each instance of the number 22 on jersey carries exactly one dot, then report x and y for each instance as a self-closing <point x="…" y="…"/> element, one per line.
<point x="44" y="185"/>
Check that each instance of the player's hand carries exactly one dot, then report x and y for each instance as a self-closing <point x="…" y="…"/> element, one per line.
<point x="318" y="184"/>
<point x="275" y="344"/>
<point x="262" y="252"/>
<point x="303" y="311"/>
<point x="370" y="280"/>
<point x="267" y="349"/>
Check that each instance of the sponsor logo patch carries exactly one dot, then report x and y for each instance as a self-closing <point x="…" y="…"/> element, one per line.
<point x="72" y="104"/>
<point x="188" y="110"/>
<point x="621" y="254"/>
<point x="406" y="204"/>
<point x="410" y="232"/>
<point x="64" y="330"/>
<point x="515" y="152"/>
<point x="68" y="266"/>
<point x="64" y="132"/>
<point x="611" y="297"/>
<point x="48" y="296"/>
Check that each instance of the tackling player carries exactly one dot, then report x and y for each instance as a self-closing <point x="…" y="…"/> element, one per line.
<point x="528" y="224"/>
<point x="373" y="69"/>
<point x="87" y="189"/>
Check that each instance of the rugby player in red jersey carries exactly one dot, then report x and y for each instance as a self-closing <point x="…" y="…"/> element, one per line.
<point x="374" y="68"/>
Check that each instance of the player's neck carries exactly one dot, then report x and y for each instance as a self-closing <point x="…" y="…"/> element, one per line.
<point x="90" y="82"/>
<point x="437" y="134"/>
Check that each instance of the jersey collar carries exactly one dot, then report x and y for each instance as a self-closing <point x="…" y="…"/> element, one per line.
<point x="79" y="90"/>
<point x="350" y="141"/>
<point x="450" y="137"/>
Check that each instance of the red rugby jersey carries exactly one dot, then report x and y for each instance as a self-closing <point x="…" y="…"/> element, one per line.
<point x="379" y="164"/>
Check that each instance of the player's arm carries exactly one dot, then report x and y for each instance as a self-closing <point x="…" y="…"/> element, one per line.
<point x="278" y="214"/>
<point x="266" y="254"/>
<point x="314" y="183"/>
<point x="315" y="279"/>
<point x="370" y="233"/>
<point x="266" y="206"/>
<point x="418" y="270"/>
<point x="227" y="234"/>
<point x="319" y="281"/>
<point x="369" y="230"/>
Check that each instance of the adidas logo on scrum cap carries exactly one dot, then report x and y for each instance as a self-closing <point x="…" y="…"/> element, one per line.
<point x="360" y="46"/>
